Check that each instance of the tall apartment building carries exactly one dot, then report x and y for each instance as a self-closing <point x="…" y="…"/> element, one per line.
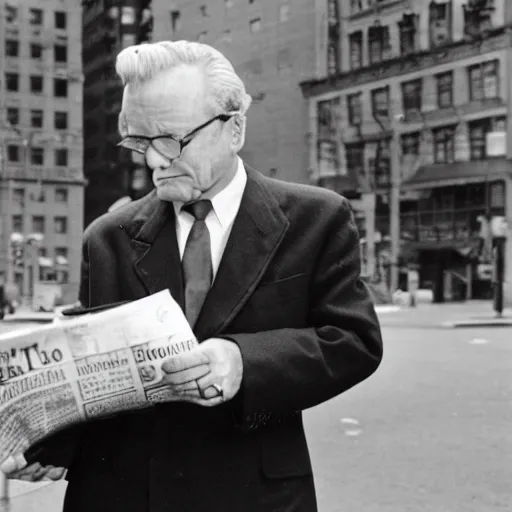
<point x="108" y="27"/>
<point x="272" y="44"/>
<point x="41" y="180"/>
<point x="424" y="85"/>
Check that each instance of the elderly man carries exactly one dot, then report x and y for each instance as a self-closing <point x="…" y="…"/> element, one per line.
<point x="268" y="276"/>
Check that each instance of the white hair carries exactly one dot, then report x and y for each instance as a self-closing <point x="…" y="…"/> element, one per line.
<point x="140" y="63"/>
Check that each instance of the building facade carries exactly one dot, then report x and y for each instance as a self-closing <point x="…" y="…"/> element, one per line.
<point x="108" y="27"/>
<point x="272" y="45"/>
<point x="421" y="102"/>
<point x="41" y="180"/>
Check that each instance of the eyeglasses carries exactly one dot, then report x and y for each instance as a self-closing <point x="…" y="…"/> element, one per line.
<point x="167" y="145"/>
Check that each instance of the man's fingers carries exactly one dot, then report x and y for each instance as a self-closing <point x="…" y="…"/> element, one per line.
<point x="186" y="376"/>
<point x="13" y="463"/>
<point x="203" y="382"/>
<point x="176" y="364"/>
<point x="54" y="473"/>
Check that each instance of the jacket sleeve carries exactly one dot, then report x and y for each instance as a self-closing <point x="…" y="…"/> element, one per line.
<point x="289" y="370"/>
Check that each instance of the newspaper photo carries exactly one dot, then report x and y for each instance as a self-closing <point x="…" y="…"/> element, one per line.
<point x="85" y="367"/>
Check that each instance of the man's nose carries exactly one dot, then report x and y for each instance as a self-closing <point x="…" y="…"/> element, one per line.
<point x="156" y="160"/>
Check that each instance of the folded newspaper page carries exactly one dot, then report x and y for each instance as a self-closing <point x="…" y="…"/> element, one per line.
<point x="85" y="367"/>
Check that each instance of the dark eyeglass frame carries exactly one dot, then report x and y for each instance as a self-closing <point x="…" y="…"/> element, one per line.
<point x="183" y="142"/>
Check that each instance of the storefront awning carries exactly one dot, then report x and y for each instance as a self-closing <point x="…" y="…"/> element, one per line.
<point x="459" y="173"/>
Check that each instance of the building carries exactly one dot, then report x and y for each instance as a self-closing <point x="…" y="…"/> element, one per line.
<point x="41" y="185"/>
<point x="108" y="27"/>
<point x="421" y="106"/>
<point x="273" y="46"/>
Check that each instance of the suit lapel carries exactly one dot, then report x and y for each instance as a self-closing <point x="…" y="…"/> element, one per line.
<point x="157" y="259"/>
<point x="257" y="232"/>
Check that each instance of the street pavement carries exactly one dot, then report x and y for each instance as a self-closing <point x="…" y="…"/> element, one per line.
<point x="429" y="432"/>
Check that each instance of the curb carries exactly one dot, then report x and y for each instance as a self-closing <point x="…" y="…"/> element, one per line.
<point x="29" y="317"/>
<point x="491" y="322"/>
<point x="387" y="309"/>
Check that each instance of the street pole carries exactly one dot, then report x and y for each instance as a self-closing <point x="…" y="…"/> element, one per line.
<point x="394" y="203"/>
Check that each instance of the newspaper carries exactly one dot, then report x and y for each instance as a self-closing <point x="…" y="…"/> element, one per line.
<point x="85" y="367"/>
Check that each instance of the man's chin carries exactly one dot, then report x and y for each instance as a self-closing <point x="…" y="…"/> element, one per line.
<point x="171" y="194"/>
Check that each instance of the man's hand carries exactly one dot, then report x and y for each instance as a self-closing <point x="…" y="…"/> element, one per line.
<point x="16" y="468"/>
<point x="194" y="375"/>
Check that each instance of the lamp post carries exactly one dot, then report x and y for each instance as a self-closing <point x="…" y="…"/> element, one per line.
<point x="499" y="234"/>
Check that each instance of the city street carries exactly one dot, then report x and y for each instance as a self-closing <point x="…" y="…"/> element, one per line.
<point x="429" y="432"/>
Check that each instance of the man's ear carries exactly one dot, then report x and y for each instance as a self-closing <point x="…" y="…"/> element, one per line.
<point x="238" y="139"/>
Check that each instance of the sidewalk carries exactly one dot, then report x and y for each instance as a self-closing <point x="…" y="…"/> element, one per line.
<point x="26" y="314"/>
<point x="474" y="313"/>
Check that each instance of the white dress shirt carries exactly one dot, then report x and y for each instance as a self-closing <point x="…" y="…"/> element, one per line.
<point x="220" y="219"/>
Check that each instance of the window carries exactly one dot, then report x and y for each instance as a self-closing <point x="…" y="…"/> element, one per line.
<point x="60" y="20"/>
<point x="497" y="193"/>
<point x="445" y="89"/>
<point x="204" y="11"/>
<point x="202" y="36"/>
<point x="42" y="252"/>
<point x="127" y="15"/>
<point x="354" y="109"/>
<point x="60" y="121"/>
<point x="440" y="23"/>
<point x="478" y="131"/>
<point x="36" y="118"/>
<point x="410" y="143"/>
<point x="36" y="51"/>
<point x="226" y="36"/>
<point x="18" y="195"/>
<point x="284" y="13"/>
<point x="255" y="25"/>
<point x="380" y="102"/>
<point x="12" y="48"/>
<point x="38" y="224"/>
<point x="354" y="154"/>
<point x="61" y="251"/>
<point x="13" y="116"/>
<point x="356" y="6"/>
<point x="60" y="53"/>
<point x="444" y="139"/>
<point x="61" y="195"/>
<point x="61" y="157"/>
<point x="379" y="167"/>
<point x="175" y="20"/>
<point x="378" y="44"/>
<point x="17" y="223"/>
<point x="36" y="16"/>
<point x="411" y="96"/>
<point x="60" y="87"/>
<point x="356" y="50"/>
<point x="11" y="13"/>
<point x="284" y="60"/>
<point x="407" y="29"/>
<point x="61" y="225"/>
<point x="484" y="80"/>
<point x="13" y="153"/>
<point x="36" y="84"/>
<point x="37" y="156"/>
<point x="12" y="82"/>
<point x="478" y="19"/>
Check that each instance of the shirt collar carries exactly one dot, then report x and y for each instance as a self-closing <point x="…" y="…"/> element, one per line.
<point x="226" y="202"/>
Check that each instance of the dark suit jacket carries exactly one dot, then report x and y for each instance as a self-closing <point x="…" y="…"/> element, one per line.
<point x="288" y="293"/>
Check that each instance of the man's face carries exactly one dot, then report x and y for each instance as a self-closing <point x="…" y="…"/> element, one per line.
<point x="175" y="103"/>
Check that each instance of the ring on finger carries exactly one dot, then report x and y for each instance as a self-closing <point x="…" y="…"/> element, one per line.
<point x="220" y="391"/>
<point x="201" y="391"/>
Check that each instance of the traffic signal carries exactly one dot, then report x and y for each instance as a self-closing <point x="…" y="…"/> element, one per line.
<point x="17" y="255"/>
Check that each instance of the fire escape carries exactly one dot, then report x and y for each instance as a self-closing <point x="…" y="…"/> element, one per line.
<point x="333" y="38"/>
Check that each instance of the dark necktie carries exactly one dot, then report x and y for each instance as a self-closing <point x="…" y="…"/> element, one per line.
<point x="197" y="261"/>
